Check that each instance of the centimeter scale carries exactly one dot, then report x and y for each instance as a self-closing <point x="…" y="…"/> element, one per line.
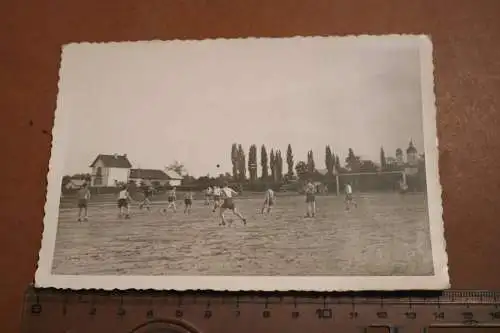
<point x="53" y="311"/>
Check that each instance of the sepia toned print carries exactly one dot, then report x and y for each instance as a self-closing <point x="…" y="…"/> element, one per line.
<point x="305" y="163"/>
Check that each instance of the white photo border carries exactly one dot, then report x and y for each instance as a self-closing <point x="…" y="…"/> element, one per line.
<point x="440" y="280"/>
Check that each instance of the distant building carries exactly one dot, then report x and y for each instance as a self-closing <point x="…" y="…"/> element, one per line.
<point x="149" y="177"/>
<point x="322" y="172"/>
<point x="412" y="154"/>
<point x="399" y="156"/>
<point x="110" y="170"/>
<point x="411" y="165"/>
<point x="174" y="179"/>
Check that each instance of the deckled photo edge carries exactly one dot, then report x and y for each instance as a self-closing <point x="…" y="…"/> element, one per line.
<point x="431" y="140"/>
<point x="53" y="189"/>
<point x="71" y="45"/>
<point x="45" y="278"/>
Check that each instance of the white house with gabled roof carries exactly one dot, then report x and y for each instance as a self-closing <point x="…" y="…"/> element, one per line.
<point x="110" y="170"/>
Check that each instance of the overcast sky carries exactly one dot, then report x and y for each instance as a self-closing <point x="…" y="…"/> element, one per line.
<point x="189" y="101"/>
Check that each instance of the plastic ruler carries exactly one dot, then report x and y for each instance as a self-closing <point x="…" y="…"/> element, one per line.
<point x="55" y="311"/>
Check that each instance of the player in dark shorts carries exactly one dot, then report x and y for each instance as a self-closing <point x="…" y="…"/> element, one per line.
<point x="83" y="198"/>
<point x="228" y="203"/>
<point x="208" y="194"/>
<point x="172" y="197"/>
<point x="123" y="202"/>
<point x="310" y="190"/>
<point x="349" y="201"/>
<point x="188" y="202"/>
<point x="148" y="194"/>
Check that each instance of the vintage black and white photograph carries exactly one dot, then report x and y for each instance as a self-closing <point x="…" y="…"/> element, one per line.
<point x="302" y="163"/>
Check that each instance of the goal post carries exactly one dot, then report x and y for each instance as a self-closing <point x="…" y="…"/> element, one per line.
<point x="383" y="177"/>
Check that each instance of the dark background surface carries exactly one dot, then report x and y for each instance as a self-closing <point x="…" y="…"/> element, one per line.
<point x="466" y="36"/>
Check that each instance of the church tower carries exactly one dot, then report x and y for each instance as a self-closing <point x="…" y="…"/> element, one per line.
<point x="411" y="154"/>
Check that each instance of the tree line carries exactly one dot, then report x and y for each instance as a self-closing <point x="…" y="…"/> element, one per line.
<point x="273" y="169"/>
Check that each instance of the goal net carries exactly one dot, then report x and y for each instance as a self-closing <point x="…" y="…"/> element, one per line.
<point x="370" y="181"/>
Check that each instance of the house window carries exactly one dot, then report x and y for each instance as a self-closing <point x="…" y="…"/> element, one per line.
<point x="98" y="176"/>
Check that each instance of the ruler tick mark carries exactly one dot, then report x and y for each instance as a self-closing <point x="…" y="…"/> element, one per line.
<point x="179" y="301"/>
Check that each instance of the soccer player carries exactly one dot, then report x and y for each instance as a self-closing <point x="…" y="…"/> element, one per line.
<point x="217" y="192"/>
<point x="124" y="200"/>
<point x="269" y="201"/>
<point x="228" y="203"/>
<point x="310" y="191"/>
<point x="349" y="201"/>
<point x="83" y="199"/>
<point x="188" y="202"/>
<point x="172" y="197"/>
<point x="208" y="193"/>
<point x="148" y="193"/>
<point x="403" y="188"/>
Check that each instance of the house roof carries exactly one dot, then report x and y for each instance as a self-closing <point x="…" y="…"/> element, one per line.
<point x="173" y="175"/>
<point x="113" y="161"/>
<point x="148" y="174"/>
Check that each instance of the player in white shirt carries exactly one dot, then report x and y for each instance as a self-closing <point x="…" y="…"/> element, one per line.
<point x="269" y="201"/>
<point x="124" y="200"/>
<point x="403" y="188"/>
<point x="216" y="193"/>
<point x="349" y="201"/>
<point x="228" y="203"/>
<point x="83" y="199"/>
<point x="310" y="191"/>
<point x="208" y="193"/>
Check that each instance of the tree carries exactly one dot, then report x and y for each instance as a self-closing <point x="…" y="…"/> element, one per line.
<point x="272" y="165"/>
<point x="279" y="166"/>
<point x="289" y="161"/>
<point x="301" y="169"/>
<point x="329" y="160"/>
<point x="311" y="167"/>
<point x="337" y="163"/>
<point x="235" y="160"/>
<point x="177" y="167"/>
<point x="383" y="161"/>
<point x="263" y="162"/>
<point x="188" y="180"/>
<point x="65" y="180"/>
<point x="242" y="166"/>
<point x="252" y="163"/>
<point x="352" y="161"/>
